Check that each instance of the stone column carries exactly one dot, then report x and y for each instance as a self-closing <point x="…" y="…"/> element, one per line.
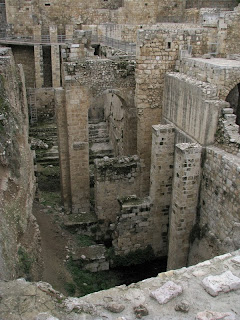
<point x="37" y="33"/>
<point x="187" y="169"/>
<point x="38" y="60"/>
<point x="77" y="105"/>
<point x="55" y="58"/>
<point x="162" y="161"/>
<point x="63" y="147"/>
<point x="53" y="34"/>
<point x="69" y="32"/>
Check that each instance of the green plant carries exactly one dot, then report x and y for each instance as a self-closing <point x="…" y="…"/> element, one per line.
<point x="87" y="282"/>
<point x="70" y="288"/>
<point x="84" y="240"/>
<point x="25" y="261"/>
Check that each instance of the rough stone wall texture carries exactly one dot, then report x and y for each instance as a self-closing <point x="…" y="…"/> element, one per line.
<point x="17" y="182"/>
<point x="217" y="230"/>
<point x="44" y="102"/>
<point x="114" y="178"/>
<point x="24" y="15"/>
<point x="134" y="228"/>
<point x="228" y="35"/>
<point x="188" y="103"/>
<point x="157" y="52"/>
<point x="122" y="122"/>
<point x="186" y="183"/>
<point x="25" y="55"/>
<point x="211" y="4"/>
<point x="223" y="73"/>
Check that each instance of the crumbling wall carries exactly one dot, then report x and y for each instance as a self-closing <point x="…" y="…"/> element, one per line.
<point x="19" y="233"/>
<point x="134" y="228"/>
<point x="114" y="178"/>
<point x="222" y="73"/>
<point x="217" y="228"/>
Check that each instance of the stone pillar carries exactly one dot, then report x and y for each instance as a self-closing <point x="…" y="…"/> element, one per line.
<point x="38" y="60"/>
<point x="69" y="32"/>
<point x="162" y="161"/>
<point x="53" y="34"/>
<point x="55" y="58"/>
<point x="37" y="33"/>
<point x="187" y="169"/>
<point x="77" y="105"/>
<point x="63" y="147"/>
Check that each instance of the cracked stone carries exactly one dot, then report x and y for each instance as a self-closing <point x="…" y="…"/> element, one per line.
<point x="167" y="292"/>
<point x="114" y="307"/>
<point x="140" y="311"/>
<point x="212" y="315"/>
<point x="222" y="283"/>
<point x="183" y="306"/>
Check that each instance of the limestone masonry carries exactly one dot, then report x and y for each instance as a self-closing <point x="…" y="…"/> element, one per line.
<point x="144" y="98"/>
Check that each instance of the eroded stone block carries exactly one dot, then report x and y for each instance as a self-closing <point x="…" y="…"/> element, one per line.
<point x="167" y="292"/>
<point x="221" y="283"/>
<point x="212" y="315"/>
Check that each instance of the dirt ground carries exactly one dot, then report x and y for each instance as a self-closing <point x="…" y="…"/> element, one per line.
<point x="54" y="241"/>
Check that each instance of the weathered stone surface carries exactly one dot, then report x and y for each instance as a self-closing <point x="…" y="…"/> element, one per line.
<point x="140" y="311"/>
<point x="183" y="306"/>
<point x="45" y="316"/>
<point x="167" y="292"/>
<point x="211" y="315"/>
<point x="221" y="283"/>
<point x="114" y="307"/>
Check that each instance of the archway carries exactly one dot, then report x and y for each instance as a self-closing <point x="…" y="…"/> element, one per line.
<point x="234" y="100"/>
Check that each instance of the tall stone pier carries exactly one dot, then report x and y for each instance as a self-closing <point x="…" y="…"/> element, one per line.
<point x="162" y="161"/>
<point x="186" y="182"/>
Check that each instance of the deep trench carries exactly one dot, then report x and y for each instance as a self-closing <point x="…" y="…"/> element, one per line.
<point x="116" y="275"/>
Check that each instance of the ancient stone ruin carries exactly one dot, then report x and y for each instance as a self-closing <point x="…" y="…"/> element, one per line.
<point x="131" y="110"/>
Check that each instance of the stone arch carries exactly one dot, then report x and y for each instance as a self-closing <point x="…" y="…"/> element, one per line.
<point x="229" y="85"/>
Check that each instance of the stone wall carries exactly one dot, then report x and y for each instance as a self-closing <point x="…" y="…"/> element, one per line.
<point x="122" y="122"/>
<point x="133" y="228"/>
<point x="25" y="55"/>
<point x="222" y="73"/>
<point x="114" y="178"/>
<point x="23" y="16"/>
<point x="157" y="52"/>
<point x="188" y="103"/>
<point x="18" y="228"/>
<point x="218" y="225"/>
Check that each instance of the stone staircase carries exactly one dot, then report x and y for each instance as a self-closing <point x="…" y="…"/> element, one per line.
<point x="99" y="145"/>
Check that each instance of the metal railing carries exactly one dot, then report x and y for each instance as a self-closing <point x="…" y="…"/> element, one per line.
<point x="31" y="39"/>
<point x="128" y="47"/>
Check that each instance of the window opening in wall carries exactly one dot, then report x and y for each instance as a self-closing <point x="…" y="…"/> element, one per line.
<point x="169" y="44"/>
<point x="47" y="4"/>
